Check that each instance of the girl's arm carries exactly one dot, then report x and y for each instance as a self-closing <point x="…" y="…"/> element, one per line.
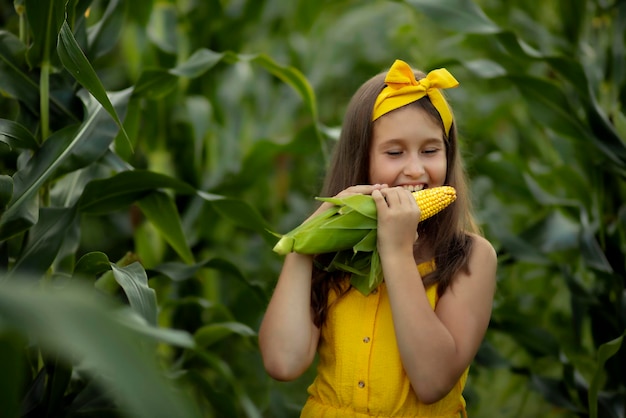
<point x="435" y="347"/>
<point x="287" y="337"/>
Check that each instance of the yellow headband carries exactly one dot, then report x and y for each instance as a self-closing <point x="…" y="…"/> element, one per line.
<point x="402" y="88"/>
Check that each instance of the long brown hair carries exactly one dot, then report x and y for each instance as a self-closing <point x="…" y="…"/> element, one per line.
<point x="447" y="233"/>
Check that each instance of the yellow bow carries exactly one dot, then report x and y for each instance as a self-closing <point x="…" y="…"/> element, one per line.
<point x="402" y="88"/>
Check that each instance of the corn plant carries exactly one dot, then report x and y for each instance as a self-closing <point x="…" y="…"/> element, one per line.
<point x="70" y="159"/>
<point x="147" y="148"/>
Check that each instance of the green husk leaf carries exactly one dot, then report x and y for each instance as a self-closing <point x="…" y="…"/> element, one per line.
<point x="286" y="243"/>
<point x="363" y="204"/>
<point x="350" y="219"/>
<point x="337" y="265"/>
<point x="320" y="240"/>
<point x="368" y="243"/>
<point x="374" y="277"/>
<point x="364" y="267"/>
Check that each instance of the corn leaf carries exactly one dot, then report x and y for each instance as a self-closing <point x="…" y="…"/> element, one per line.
<point x="14" y="81"/>
<point x="43" y="246"/>
<point x="16" y="135"/>
<point x="368" y="243"/>
<point x="45" y="19"/>
<point x="66" y="149"/>
<point x="162" y="27"/>
<point x="350" y="219"/>
<point x="371" y="277"/>
<point x="91" y="265"/>
<point x="12" y="363"/>
<point x="364" y="204"/>
<point x="78" y="323"/>
<point x="141" y="297"/>
<point x="103" y="36"/>
<point x="117" y="192"/>
<point x="180" y="272"/>
<point x="605" y="352"/>
<point x="212" y="333"/>
<point x="75" y="61"/>
<point x="6" y="190"/>
<point x="161" y="211"/>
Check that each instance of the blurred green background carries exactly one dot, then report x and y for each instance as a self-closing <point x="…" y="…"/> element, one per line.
<point x="148" y="147"/>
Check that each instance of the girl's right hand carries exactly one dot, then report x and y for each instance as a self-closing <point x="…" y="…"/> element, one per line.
<point x="349" y="191"/>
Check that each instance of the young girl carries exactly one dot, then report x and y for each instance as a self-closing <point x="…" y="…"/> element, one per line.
<point x="404" y="350"/>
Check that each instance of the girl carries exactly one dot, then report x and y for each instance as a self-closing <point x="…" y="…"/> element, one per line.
<point x="405" y="349"/>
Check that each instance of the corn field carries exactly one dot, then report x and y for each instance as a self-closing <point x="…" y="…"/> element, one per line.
<point x="150" y="151"/>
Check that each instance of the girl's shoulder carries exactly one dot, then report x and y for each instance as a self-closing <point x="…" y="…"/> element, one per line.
<point x="476" y="282"/>
<point x="482" y="256"/>
<point x="481" y="245"/>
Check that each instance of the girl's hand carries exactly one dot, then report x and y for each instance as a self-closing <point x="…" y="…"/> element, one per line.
<point x="352" y="190"/>
<point x="398" y="216"/>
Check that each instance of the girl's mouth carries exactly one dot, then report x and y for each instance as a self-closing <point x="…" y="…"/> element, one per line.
<point x="414" y="187"/>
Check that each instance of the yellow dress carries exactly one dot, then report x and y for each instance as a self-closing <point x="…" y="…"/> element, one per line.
<point x="360" y="373"/>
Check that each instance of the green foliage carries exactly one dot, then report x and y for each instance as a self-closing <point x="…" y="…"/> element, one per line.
<point x="147" y="148"/>
<point x="83" y="335"/>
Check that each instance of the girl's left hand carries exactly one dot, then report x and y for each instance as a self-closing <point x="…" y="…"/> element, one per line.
<point x="398" y="216"/>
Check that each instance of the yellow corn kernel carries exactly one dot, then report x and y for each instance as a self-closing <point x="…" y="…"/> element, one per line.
<point x="431" y="201"/>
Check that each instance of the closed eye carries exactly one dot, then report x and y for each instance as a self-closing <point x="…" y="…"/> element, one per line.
<point x="393" y="152"/>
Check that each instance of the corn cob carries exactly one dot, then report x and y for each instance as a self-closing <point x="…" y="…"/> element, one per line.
<point x="349" y="230"/>
<point x="349" y="222"/>
<point x="431" y="201"/>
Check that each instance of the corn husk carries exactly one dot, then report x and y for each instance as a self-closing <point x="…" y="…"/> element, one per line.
<point x="349" y="230"/>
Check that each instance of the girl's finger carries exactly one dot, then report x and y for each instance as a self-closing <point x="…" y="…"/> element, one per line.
<point x="410" y="198"/>
<point x="394" y="195"/>
<point x="379" y="199"/>
<point x="360" y="189"/>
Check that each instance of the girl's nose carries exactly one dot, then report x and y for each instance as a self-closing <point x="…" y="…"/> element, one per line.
<point x="414" y="167"/>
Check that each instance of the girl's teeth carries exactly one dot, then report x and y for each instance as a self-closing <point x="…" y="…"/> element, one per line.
<point x="414" y="188"/>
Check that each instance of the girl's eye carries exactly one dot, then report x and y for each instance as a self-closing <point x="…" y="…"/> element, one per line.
<point x="394" y="152"/>
<point x="430" y="150"/>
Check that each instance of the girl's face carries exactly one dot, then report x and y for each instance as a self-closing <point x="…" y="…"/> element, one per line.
<point x="408" y="150"/>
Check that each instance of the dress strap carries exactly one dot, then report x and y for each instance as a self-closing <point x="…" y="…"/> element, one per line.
<point x="426" y="267"/>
